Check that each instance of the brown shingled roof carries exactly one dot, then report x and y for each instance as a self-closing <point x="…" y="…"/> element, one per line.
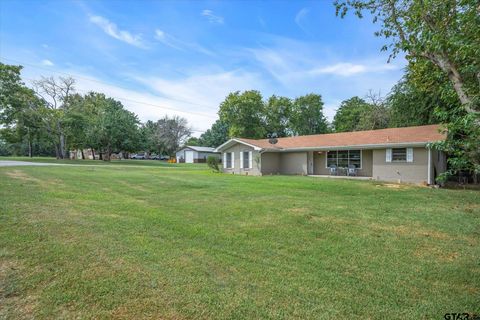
<point x="414" y="135"/>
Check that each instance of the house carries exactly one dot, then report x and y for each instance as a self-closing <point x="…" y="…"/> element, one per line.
<point x="394" y="154"/>
<point x="194" y="154"/>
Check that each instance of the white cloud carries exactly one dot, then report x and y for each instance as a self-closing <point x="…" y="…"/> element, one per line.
<point x="204" y="91"/>
<point x="347" y="69"/>
<point x="47" y="63"/>
<point x="340" y="69"/>
<point x="166" y="39"/>
<point x="112" y="30"/>
<point x="178" y="44"/>
<point x="212" y="17"/>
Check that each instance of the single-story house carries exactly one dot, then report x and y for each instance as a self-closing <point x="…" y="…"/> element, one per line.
<point x="393" y="154"/>
<point x="194" y="154"/>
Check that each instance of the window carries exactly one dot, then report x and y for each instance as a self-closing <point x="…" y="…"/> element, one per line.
<point x="246" y="159"/>
<point x="229" y="160"/>
<point x="399" y="154"/>
<point x="344" y="158"/>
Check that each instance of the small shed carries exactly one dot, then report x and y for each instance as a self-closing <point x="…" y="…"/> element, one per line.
<point x="195" y="154"/>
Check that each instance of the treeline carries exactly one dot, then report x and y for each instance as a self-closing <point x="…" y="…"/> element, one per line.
<point x="247" y="115"/>
<point x="52" y="119"/>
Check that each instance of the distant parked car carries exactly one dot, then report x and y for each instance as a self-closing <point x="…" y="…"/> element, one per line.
<point x="138" y="156"/>
<point x="155" y="157"/>
<point x="164" y="157"/>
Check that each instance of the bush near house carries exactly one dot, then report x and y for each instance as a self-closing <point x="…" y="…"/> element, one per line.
<point x="213" y="163"/>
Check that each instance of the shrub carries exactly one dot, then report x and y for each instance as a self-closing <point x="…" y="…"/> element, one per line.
<point x="213" y="163"/>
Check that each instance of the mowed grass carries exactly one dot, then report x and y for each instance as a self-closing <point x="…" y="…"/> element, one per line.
<point x="176" y="243"/>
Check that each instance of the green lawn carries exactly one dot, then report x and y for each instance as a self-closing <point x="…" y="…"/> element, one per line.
<point x="154" y="242"/>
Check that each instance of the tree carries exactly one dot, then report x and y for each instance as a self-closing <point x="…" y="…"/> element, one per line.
<point x="444" y="36"/>
<point x="444" y="32"/>
<point x="55" y="94"/>
<point x="193" y="141"/>
<point x="347" y="117"/>
<point x="277" y="115"/>
<point x="216" y="135"/>
<point x="243" y="113"/>
<point x="307" y="115"/>
<point x="377" y="115"/>
<point x="114" y="128"/>
<point x="172" y="132"/>
<point x="20" y="109"/>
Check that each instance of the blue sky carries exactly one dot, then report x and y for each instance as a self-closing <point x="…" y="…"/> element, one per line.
<point x="184" y="57"/>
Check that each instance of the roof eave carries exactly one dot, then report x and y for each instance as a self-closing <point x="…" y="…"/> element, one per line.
<point x="358" y="146"/>
<point x="222" y="146"/>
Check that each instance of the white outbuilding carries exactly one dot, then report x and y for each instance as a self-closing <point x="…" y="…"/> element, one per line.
<point x="195" y="154"/>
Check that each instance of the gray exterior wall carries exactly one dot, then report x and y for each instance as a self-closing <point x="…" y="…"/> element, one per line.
<point x="373" y="164"/>
<point x="320" y="164"/>
<point x="411" y="172"/>
<point x="270" y="163"/>
<point x="236" y="149"/>
<point x="293" y="162"/>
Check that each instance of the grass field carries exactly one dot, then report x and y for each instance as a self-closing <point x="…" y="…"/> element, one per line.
<point x="181" y="243"/>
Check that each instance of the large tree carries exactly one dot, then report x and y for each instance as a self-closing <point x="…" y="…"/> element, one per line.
<point x="443" y="35"/>
<point x="20" y="110"/>
<point x="307" y="115"/>
<point x="444" y="32"/>
<point x="56" y="94"/>
<point x="347" y="117"/>
<point x="243" y="113"/>
<point x="277" y="115"/>
<point x="114" y="129"/>
<point x="171" y="133"/>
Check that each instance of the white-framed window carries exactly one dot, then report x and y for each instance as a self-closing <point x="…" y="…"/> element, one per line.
<point x="399" y="155"/>
<point x="228" y="160"/>
<point x="344" y="158"/>
<point x="246" y="159"/>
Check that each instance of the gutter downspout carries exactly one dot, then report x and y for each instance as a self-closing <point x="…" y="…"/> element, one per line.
<point x="429" y="176"/>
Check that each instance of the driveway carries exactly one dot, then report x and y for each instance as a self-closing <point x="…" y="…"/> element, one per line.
<point x="11" y="163"/>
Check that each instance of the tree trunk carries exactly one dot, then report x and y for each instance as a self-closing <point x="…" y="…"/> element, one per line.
<point x="30" y="154"/>
<point x="100" y="156"/>
<point x="57" y="151"/>
<point x="62" y="146"/>
<point x="109" y="152"/>
<point x="83" y="155"/>
<point x="456" y="79"/>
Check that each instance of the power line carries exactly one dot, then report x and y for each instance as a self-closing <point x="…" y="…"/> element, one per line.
<point x="145" y="103"/>
<point x="98" y="81"/>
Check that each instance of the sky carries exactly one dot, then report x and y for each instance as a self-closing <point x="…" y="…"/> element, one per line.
<point x="184" y="57"/>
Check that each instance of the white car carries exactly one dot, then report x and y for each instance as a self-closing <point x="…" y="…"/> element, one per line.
<point x="138" y="156"/>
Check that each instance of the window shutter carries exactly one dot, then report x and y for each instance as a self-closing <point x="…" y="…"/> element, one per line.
<point x="241" y="159"/>
<point x="388" y="155"/>
<point x="233" y="160"/>
<point x="224" y="160"/>
<point x="409" y="154"/>
<point x="250" y="159"/>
